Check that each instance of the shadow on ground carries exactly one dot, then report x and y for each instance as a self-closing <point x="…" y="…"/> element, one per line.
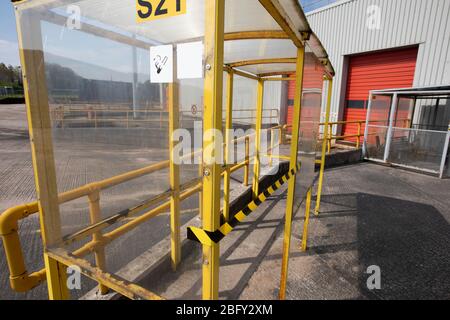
<point x="408" y="240"/>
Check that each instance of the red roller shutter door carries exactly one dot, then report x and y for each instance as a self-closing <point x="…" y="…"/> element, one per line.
<point x="373" y="71"/>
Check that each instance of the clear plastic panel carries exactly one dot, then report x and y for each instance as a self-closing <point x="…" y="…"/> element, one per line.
<point x="404" y="114"/>
<point x="376" y="142"/>
<point x="378" y="127"/>
<point x="244" y="102"/>
<point x="246" y="15"/>
<point x="380" y="110"/>
<point x="309" y="126"/>
<point x="271" y="135"/>
<point x="244" y="50"/>
<point x="269" y="68"/>
<point x="244" y="118"/>
<point x="109" y="120"/>
<point x="432" y="114"/>
<point x="191" y="122"/>
<point x="420" y="149"/>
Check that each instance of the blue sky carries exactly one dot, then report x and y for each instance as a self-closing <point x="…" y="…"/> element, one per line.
<point x="8" y="36"/>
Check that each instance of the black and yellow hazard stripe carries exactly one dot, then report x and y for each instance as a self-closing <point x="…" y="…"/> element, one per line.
<point x="211" y="237"/>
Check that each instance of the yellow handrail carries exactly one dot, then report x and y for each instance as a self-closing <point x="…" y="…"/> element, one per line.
<point x="358" y="135"/>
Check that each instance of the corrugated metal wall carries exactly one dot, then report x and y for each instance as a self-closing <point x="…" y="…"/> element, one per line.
<point x="343" y="30"/>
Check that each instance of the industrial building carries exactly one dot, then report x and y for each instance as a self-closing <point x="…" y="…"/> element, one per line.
<point x="384" y="44"/>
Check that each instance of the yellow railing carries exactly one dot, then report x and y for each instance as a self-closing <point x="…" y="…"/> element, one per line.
<point x="96" y="115"/>
<point x="360" y="133"/>
<point x="21" y="280"/>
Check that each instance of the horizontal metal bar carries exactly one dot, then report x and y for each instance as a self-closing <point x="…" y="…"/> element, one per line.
<point x="404" y="166"/>
<point x="119" y="285"/>
<point x="112" y="235"/>
<point x="84" y="233"/>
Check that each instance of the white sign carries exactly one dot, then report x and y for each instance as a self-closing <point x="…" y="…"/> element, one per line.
<point x="161" y="64"/>
<point x="190" y="60"/>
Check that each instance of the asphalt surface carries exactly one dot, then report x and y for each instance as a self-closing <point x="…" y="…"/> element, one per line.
<point x="371" y="216"/>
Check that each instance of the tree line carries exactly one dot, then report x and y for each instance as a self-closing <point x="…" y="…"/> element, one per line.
<point x="10" y="76"/>
<point x="65" y="85"/>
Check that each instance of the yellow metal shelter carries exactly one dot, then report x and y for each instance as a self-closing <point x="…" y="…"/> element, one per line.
<point x="247" y="45"/>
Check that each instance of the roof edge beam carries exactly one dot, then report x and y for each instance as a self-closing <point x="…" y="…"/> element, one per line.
<point x="275" y="9"/>
<point x="261" y="61"/>
<point x="273" y="74"/>
<point x="253" y="35"/>
<point x="241" y="73"/>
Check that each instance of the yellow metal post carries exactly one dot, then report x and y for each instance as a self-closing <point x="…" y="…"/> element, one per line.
<point x="330" y="136"/>
<point x="200" y="194"/>
<point x="324" y="146"/>
<point x="306" y="222"/>
<point x="40" y="128"/>
<point x="212" y="120"/>
<point x="247" y="161"/>
<point x="174" y="177"/>
<point x="272" y="144"/>
<point x="228" y="144"/>
<point x="292" y="165"/>
<point x="280" y="137"/>
<point x="95" y="216"/>
<point x="258" y="128"/>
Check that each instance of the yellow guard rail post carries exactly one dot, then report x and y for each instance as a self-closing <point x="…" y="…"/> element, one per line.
<point x="258" y="126"/>
<point x="214" y="51"/>
<point x="324" y="145"/>
<point x="292" y="165"/>
<point x="306" y="222"/>
<point x="96" y="216"/>
<point x="247" y="161"/>
<point x="174" y="172"/>
<point x="228" y="144"/>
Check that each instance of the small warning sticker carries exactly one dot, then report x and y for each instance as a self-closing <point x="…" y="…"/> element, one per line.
<point x="148" y="10"/>
<point x="161" y="64"/>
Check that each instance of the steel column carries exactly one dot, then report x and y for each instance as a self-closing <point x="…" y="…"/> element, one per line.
<point x="228" y="144"/>
<point x="366" y="129"/>
<point x="247" y="161"/>
<point x="292" y="165"/>
<point x="391" y="127"/>
<point x="95" y="217"/>
<point x="444" y="154"/>
<point x="324" y="146"/>
<point x="306" y="222"/>
<point x="212" y="120"/>
<point x="258" y="128"/>
<point x="174" y="172"/>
